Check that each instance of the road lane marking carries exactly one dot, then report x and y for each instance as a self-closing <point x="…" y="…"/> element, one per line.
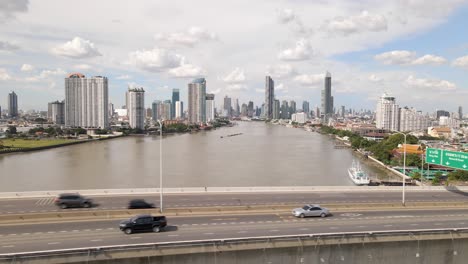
<point x="388" y="225"/>
<point x="8" y="246"/>
<point x="304" y="229"/>
<point x="172" y="235"/>
<point x="96" y="240"/>
<point x="208" y="233"/>
<point x="274" y="230"/>
<point x="53" y="243"/>
<point x="135" y="237"/>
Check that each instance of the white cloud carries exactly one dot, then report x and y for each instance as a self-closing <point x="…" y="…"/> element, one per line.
<point x="77" y="48"/>
<point x="281" y="88"/>
<point x="302" y="51"/>
<point x="7" y="46"/>
<point x="396" y="57"/>
<point x="285" y="16"/>
<point x="258" y="90"/>
<point x="236" y="87"/>
<point x="27" y="67"/>
<point x="123" y="77"/>
<point x="8" y="8"/>
<point x="82" y="66"/>
<point x="186" y="71"/>
<point x="356" y="24"/>
<point x="217" y="91"/>
<point x="281" y="71"/>
<point x="309" y="80"/>
<point x="461" y="62"/>
<point x="4" y="76"/>
<point x="191" y="37"/>
<point x="45" y="74"/>
<point x="443" y="85"/>
<point x="374" y="78"/>
<point x="236" y="76"/>
<point x="429" y="59"/>
<point x="155" y="60"/>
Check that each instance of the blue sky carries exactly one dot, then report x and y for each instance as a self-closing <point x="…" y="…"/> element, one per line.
<point x="415" y="50"/>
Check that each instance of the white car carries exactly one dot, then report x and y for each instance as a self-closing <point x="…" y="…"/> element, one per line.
<point x="311" y="210"/>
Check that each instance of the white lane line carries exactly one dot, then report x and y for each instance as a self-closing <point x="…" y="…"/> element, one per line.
<point x="135" y="237"/>
<point x="53" y="243"/>
<point x="461" y="223"/>
<point x="333" y="227"/>
<point x="87" y="230"/>
<point x="208" y="233"/>
<point x="304" y="229"/>
<point x="414" y="224"/>
<point x="12" y="234"/>
<point x="361" y="226"/>
<point x="172" y="235"/>
<point x="63" y="231"/>
<point x="274" y="230"/>
<point x="51" y="232"/>
<point x="437" y="224"/>
<point x="96" y="240"/>
<point x="75" y="230"/>
<point x="388" y="225"/>
<point x="99" y="229"/>
<point x="8" y="246"/>
<point x="242" y="232"/>
<point x="110" y="228"/>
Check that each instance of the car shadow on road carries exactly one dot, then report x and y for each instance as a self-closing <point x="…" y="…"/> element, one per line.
<point x="170" y="228"/>
<point x="454" y="189"/>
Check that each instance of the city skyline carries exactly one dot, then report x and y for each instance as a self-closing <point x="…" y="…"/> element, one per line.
<point x="389" y="48"/>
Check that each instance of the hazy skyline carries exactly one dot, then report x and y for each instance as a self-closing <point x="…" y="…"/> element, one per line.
<point x="415" y="50"/>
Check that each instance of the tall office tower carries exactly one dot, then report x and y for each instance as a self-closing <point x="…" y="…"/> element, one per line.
<point x="258" y="111"/>
<point x="306" y="108"/>
<point x="86" y="101"/>
<point x="342" y="111"/>
<point x="165" y="110"/>
<point x="327" y="98"/>
<point x="440" y="113"/>
<point x="210" y="107"/>
<point x="179" y="110"/>
<point x="412" y="120"/>
<point x="235" y="107"/>
<point x="269" y="97"/>
<point x="155" y="107"/>
<point x="12" y="104"/>
<point x="197" y="101"/>
<point x="292" y="107"/>
<point x="175" y="98"/>
<point x="285" y="110"/>
<point x="56" y="112"/>
<point x="276" y="109"/>
<point x="460" y="113"/>
<point x="136" y="107"/>
<point x="149" y="113"/>
<point x="227" y="107"/>
<point x="262" y="111"/>
<point x="243" y="111"/>
<point x="387" y="114"/>
<point x="111" y="110"/>
<point x="250" y="109"/>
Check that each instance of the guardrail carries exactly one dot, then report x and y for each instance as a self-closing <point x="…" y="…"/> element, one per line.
<point x="116" y="252"/>
<point x="255" y="189"/>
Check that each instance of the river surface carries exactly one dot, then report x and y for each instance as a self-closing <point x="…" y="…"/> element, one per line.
<point x="263" y="155"/>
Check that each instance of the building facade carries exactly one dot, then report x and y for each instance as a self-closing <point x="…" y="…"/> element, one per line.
<point x="175" y="98"/>
<point x="285" y="110"/>
<point x="227" y="107"/>
<point x="136" y="108"/>
<point x="276" y="109"/>
<point x="56" y="112"/>
<point x="327" y="98"/>
<point x="412" y="120"/>
<point x="86" y="101"/>
<point x="387" y="114"/>
<point x="306" y="108"/>
<point x="12" y="105"/>
<point x="210" y="107"/>
<point x="269" y="97"/>
<point x="179" y="110"/>
<point x="197" y="101"/>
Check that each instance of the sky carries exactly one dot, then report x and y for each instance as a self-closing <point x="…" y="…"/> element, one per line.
<point x="414" y="50"/>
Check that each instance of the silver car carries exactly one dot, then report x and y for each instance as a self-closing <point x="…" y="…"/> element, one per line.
<point x="310" y="210"/>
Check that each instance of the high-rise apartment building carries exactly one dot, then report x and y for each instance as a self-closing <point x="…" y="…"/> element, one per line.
<point x="175" y="98"/>
<point x="250" y="109"/>
<point x="56" y="112"/>
<point x="86" y="101"/>
<point x="412" y="120"/>
<point x="179" y="110"/>
<point x="327" y="98"/>
<point x="306" y="108"/>
<point x="387" y="114"/>
<point x="235" y="107"/>
<point x="210" y="107"/>
<point x="292" y="107"/>
<point x="440" y="113"/>
<point x="342" y="111"/>
<point x="276" y="109"/>
<point x="269" y="97"/>
<point x="12" y="105"/>
<point x="136" y="107"/>
<point x="460" y="113"/>
<point x="154" y="108"/>
<point x="227" y="107"/>
<point x="197" y="101"/>
<point x="243" y="111"/>
<point x="285" y="110"/>
<point x="111" y="110"/>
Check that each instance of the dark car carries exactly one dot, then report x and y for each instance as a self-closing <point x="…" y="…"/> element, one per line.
<point x="66" y="200"/>
<point x="139" y="204"/>
<point x="142" y="223"/>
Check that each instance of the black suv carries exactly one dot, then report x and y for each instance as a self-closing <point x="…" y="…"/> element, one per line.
<point x="66" y="200"/>
<point x="141" y="223"/>
<point x="139" y="204"/>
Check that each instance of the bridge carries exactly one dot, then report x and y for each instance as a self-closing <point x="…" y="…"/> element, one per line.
<point x="248" y="225"/>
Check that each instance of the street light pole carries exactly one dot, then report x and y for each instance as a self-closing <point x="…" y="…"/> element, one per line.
<point x="160" y="169"/>
<point x="404" y="168"/>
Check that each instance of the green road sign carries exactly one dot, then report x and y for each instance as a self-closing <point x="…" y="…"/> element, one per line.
<point x="453" y="159"/>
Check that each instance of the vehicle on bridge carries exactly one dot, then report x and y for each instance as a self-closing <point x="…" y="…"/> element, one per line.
<point x="139" y="204"/>
<point x="143" y="223"/>
<point x="66" y="200"/>
<point x="311" y="210"/>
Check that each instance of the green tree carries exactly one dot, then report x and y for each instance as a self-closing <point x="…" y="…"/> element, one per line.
<point x="11" y="130"/>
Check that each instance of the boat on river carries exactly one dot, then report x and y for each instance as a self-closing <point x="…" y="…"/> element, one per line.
<point x="357" y="175"/>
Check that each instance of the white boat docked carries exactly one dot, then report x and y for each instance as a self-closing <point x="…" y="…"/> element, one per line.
<point x="357" y="175"/>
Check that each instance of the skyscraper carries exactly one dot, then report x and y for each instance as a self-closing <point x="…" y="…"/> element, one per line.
<point x="276" y="109"/>
<point x="197" y="101"/>
<point x="136" y="107"/>
<point x="460" y="113"/>
<point x="210" y="107"/>
<point x="12" y="104"/>
<point x="154" y="108"/>
<point x="327" y="98"/>
<point x="343" y="111"/>
<point x="292" y="107"/>
<point x="165" y="110"/>
<point x="250" y="109"/>
<point x="243" y="111"/>
<point x="387" y="114"/>
<point x="175" y="98"/>
<point x="86" y="101"/>
<point x="227" y="107"/>
<point x="179" y="110"/>
<point x="235" y="107"/>
<point x="285" y="110"/>
<point x="306" y="108"/>
<point x="269" y="97"/>
<point x="56" y="112"/>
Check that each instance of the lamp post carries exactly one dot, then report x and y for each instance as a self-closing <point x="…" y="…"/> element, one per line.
<point x="404" y="168"/>
<point x="160" y="169"/>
